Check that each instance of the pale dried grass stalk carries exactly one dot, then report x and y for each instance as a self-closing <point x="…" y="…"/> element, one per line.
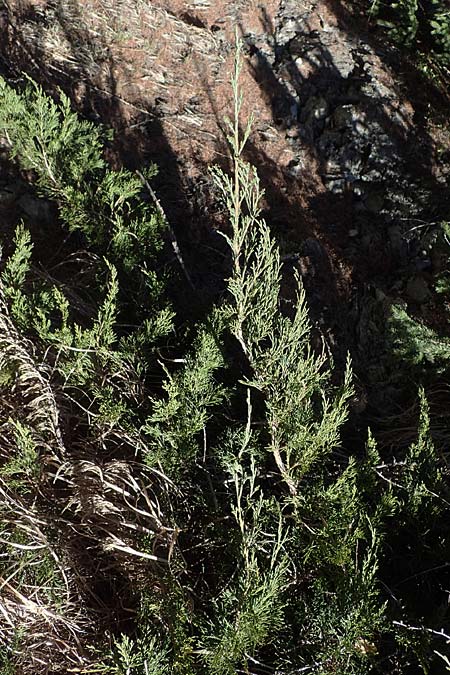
<point x="42" y="413"/>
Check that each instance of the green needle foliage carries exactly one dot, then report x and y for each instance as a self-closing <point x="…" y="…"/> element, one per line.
<point x="177" y="421"/>
<point x="303" y="422"/>
<point x="425" y="25"/>
<point x="65" y="154"/>
<point x="424" y="350"/>
<point x="191" y="511"/>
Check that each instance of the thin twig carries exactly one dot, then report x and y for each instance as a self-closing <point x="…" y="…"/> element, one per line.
<point x="173" y="238"/>
<point x="423" y="629"/>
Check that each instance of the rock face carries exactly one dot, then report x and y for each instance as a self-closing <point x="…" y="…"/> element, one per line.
<point x="350" y="111"/>
<point x="344" y="107"/>
<point x="329" y="102"/>
<point x="346" y="111"/>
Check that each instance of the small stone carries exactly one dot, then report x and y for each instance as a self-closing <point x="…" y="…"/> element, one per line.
<point x="353" y="232"/>
<point x="304" y="67"/>
<point x="336" y="186"/>
<point x="295" y="168"/>
<point x="316" y="108"/>
<point x="287" y="31"/>
<point x="362" y="129"/>
<point x="417" y="290"/>
<point x="321" y="109"/>
<point x="333" y="166"/>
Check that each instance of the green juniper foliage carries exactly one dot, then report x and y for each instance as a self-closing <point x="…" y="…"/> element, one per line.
<point x="178" y="421"/>
<point x="194" y="511"/>
<point x="14" y="275"/>
<point x="404" y="25"/>
<point x="291" y="377"/>
<point x="65" y="154"/>
<point x="248" y="613"/>
<point x="424" y="350"/>
<point x="415" y="344"/>
<point x="23" y="466"/>
<point x="70" y="381"/>
<point x="423" y="480"/>
<point x="140" y="657"/>
<point x="424" y="24"/>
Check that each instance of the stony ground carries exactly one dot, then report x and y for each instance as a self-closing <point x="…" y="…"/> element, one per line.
<point x="353" y="156"/>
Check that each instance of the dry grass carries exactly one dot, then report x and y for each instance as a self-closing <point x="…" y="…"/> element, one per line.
<point x="130" y="43"/>
<point x="43" y="619"/>
<point x="40" y="410"/>
<point x="68" y="523"/>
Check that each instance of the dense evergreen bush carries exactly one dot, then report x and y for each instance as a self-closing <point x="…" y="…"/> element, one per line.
<point x="190" y="511"/>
